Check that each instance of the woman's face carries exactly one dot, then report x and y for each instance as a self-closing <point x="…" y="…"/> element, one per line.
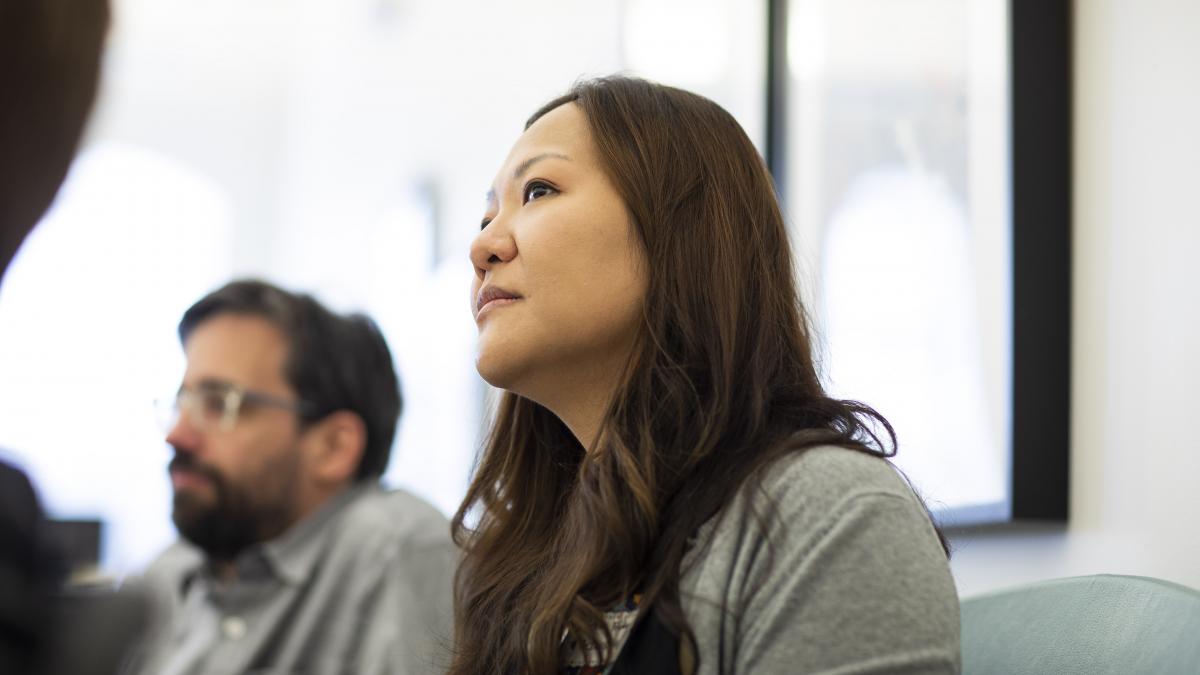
<point x="559" y="272"/>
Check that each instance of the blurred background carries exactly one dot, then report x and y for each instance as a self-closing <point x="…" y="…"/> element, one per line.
<point x="344" y="148"/>
<point x="338" y="147"/>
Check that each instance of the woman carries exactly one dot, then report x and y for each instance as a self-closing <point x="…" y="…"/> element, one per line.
<point x="665" y="481"/>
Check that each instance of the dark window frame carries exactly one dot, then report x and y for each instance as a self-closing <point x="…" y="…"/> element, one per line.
<point x="1040" y="164"/>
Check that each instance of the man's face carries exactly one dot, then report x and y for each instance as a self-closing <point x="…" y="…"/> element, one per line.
<point x="236" y="484"/>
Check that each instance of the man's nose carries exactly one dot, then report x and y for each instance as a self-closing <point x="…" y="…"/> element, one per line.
<point x="183" y="436"/>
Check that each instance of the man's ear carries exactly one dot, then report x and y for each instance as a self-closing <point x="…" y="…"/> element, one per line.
<point x="340" y="438"/>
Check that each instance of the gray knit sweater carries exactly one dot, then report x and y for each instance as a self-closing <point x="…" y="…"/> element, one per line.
<point x="849" y="578"/>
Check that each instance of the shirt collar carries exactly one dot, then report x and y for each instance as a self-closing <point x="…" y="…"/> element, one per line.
<point x="293" y="554"/>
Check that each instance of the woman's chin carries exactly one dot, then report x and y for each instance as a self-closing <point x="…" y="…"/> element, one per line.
<point x="496" y="371"/>
<point x="512" y="376"/>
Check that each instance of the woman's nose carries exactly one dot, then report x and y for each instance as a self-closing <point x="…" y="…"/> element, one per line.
<point x="493" y="245"/>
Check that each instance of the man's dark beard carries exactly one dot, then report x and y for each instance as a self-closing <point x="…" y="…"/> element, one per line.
<point x="231" y="523"/>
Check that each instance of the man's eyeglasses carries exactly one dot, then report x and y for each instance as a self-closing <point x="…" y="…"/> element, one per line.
<point x="217" y="406"/>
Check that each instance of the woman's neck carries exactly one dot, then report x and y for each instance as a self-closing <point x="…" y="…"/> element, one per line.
<point x="580" y="396"/>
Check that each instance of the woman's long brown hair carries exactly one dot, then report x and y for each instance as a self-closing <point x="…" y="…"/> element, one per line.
<point x="721" y="383"/>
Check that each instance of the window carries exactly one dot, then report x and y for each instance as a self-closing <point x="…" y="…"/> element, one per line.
<point x="89" y="308"/>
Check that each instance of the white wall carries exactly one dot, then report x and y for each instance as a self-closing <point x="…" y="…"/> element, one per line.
<point x="1136" y="319"/>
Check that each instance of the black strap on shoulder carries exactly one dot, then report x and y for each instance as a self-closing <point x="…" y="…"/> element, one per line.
<point x="650" y="648"/>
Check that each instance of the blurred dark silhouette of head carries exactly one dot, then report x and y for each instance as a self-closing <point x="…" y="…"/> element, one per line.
<point x="49" y="67"/>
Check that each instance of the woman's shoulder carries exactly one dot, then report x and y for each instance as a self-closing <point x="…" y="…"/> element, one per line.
<point x="809" y="501"/>
<point x="816" y="481"/>
<point x="822" y="539"/>
<point x="804" y="493"/>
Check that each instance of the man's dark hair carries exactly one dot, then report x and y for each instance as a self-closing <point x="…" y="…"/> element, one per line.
<point x="334" y="362"/>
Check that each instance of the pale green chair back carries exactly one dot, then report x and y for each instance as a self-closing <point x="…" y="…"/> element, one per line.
<point x="1093" y="625"/>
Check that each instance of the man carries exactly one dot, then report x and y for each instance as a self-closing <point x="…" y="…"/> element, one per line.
<point x="293" y="558"/>
<point x="49" y="68"/>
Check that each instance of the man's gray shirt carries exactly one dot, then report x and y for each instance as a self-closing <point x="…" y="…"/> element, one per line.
<point x="361" y="586"/>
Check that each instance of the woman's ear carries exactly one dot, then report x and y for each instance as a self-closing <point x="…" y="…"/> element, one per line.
<point x="340" y="439"/>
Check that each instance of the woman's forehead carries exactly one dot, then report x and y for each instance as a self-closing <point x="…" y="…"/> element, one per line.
<point x="563" y="129"/>
<point x="561" y="134"/>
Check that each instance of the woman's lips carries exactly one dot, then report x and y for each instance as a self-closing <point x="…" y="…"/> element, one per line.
<point x="494" y="304"/>
<point x="492" y="297"/>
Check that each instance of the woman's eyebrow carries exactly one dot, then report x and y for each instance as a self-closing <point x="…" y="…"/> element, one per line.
<point x="525" y="166"/>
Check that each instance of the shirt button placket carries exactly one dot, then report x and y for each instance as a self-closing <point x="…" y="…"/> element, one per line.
<point x="233" y="627"/>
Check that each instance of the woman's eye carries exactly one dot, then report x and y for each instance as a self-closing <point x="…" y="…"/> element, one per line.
<point x="484" y="223"/>
<point x="536" y="191"/>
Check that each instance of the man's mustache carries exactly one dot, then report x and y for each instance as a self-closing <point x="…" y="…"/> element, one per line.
<point x="184" y="461"/>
